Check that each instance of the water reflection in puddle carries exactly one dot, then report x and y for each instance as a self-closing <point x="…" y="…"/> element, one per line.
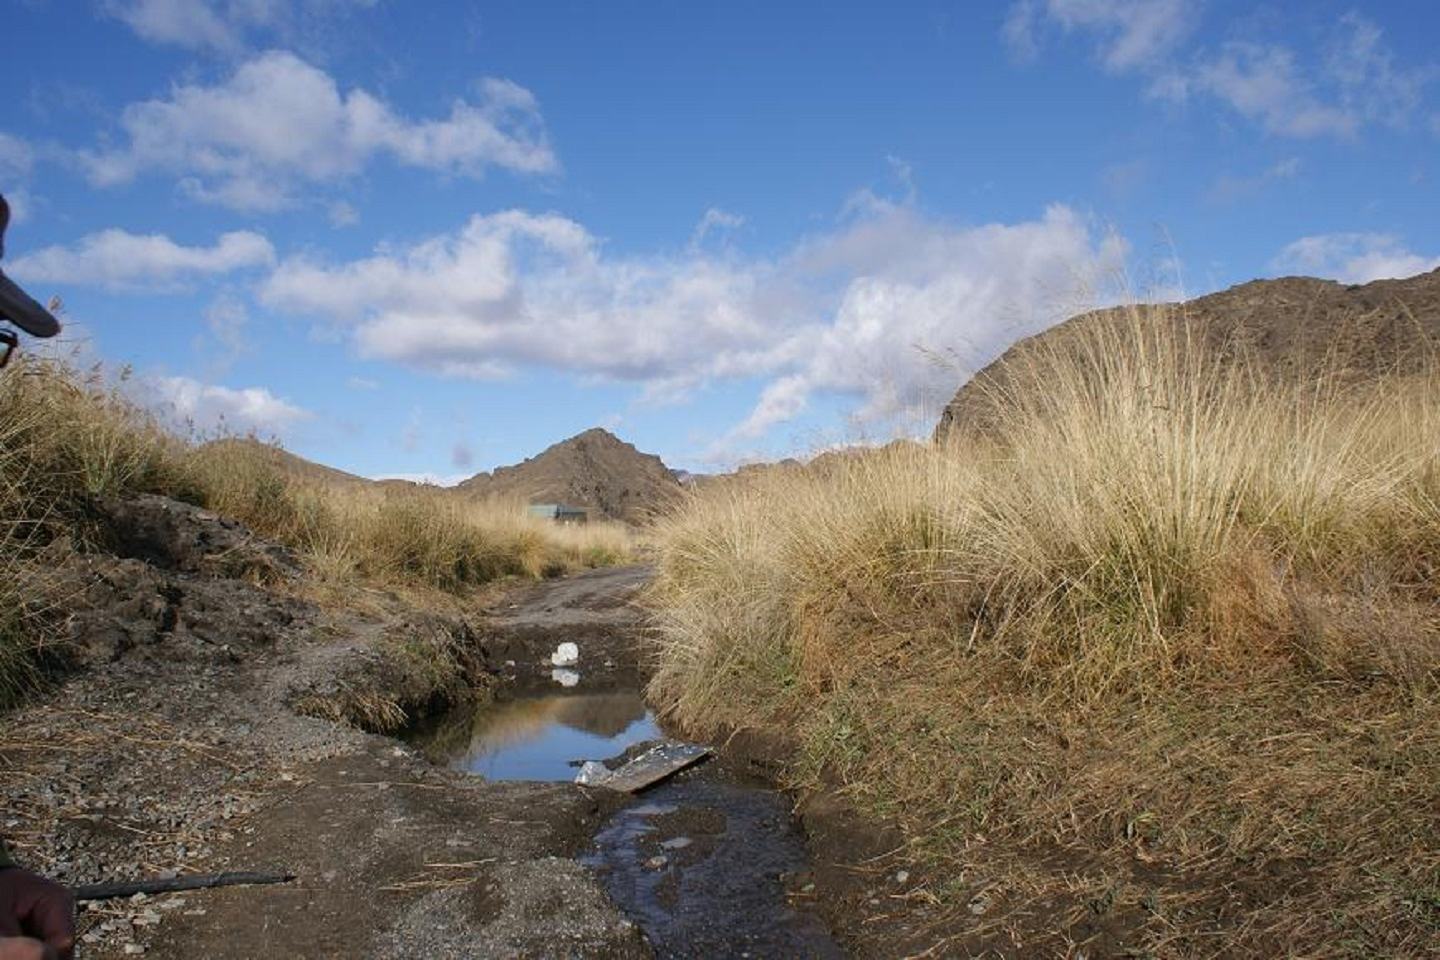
<point x="538" y="737"/>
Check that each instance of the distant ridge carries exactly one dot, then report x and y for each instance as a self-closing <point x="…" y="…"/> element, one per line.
<point x="1289" y="324"/>
<point x="594" y="469"/>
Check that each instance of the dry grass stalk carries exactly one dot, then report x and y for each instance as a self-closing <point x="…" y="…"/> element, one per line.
<point x="1169" y="631"/>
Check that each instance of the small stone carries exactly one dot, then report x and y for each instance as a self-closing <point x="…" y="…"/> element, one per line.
<point x="656" y="863"/>
<point x="134" y="949"/>
<point x="902" y="876"/>
<point x="139" y="898"/>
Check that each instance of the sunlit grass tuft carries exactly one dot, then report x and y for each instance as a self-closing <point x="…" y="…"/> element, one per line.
<point x="1161" y="609"/>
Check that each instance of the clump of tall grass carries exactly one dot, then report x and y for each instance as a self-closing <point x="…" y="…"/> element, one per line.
<point x="1162" y="609"/>
<point x="70" y="438"/>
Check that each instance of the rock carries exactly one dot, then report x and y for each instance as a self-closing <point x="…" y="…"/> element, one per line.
<point x="566" y="678"/>
<point x="565" y="655"/>
<point x="592" y="774"/>
<point x="656" y="863"/>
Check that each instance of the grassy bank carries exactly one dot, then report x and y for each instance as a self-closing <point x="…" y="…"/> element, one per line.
<point x="1155" y="657"/>
<point x="68" y="440"/>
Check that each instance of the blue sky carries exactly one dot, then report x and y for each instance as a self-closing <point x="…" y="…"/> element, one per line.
<point x="428" y="239"/>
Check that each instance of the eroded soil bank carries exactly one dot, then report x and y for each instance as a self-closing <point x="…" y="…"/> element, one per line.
<point x="187" y="741"/>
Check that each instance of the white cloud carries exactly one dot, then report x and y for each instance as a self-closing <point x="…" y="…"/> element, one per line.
<point x="208" y="407"/>
<point x="1265" y="83"/>
<point x="1130" y="33"/>
<point x="362" y="383"/>
<point x="715" y="220"/>
<point x="862" y="309"/>
<point x="223" y="25"/>
<point x="227" y="319"/>
<point x="16" y="157"/>
<point x="279" y="122"/>
<point x="432" y="479"/>
<point x="188" y="23"/>
<point x="117" y="260"/>
<point x="1353" y="82"/>
<point x="1230" y="187"/>
<point x="343" y="214"/>
<point x="1353" y="257"/>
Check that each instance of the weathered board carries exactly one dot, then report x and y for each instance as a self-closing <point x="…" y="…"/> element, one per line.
<point x="650" y="767"/>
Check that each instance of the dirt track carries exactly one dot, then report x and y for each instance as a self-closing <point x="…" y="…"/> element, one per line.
<point x="178" y="750"/>
<point x="182" y="744"/>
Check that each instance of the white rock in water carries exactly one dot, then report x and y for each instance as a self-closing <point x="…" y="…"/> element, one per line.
<point x="565" y="655"/>
<point x="592" y="773"/>
<point x="566" y="678"/>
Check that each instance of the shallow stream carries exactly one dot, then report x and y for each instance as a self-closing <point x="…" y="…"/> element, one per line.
<point x="706" y="863"/>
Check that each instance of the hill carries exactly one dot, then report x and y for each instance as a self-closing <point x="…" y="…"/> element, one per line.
<point x="595" y="469"/>
<point x="1286" y="324"/>
<point x="289" y="464"/>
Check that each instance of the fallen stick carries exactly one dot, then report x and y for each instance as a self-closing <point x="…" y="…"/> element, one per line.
<point x="195" y="881"/>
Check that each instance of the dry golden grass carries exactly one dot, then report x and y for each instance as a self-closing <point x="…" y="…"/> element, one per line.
<point x="69" y="437"/>
<point x="1167" y="642"/>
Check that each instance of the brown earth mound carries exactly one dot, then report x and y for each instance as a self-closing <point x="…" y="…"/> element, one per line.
<point x="1290" y="325"/>
<point x="595" y="469"/>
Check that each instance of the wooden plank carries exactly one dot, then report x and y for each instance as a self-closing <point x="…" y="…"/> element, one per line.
<point x="649" y="768"/>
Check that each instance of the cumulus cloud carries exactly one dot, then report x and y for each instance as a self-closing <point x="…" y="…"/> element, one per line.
<point x="224" y="25"/>
<point x="1354" y="81"/>
<point x="118" y="260"/>
<point x="862" y="309"/>
<point x="278" y="122"/>
<point x="207" y="407"/>
<point x="1353" y="257"/>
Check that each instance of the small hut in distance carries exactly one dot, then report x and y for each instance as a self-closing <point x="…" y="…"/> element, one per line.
<point x="559" y="513"/>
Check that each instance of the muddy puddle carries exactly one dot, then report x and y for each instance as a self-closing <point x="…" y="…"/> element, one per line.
<point x="539" y="735"/>
<point x="707" y="869"/>
<point x="707" y="863"/>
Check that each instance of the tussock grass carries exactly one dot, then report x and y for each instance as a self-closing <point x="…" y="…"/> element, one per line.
<point x="69" y="438"/>
<point x="1163" y="637"/>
